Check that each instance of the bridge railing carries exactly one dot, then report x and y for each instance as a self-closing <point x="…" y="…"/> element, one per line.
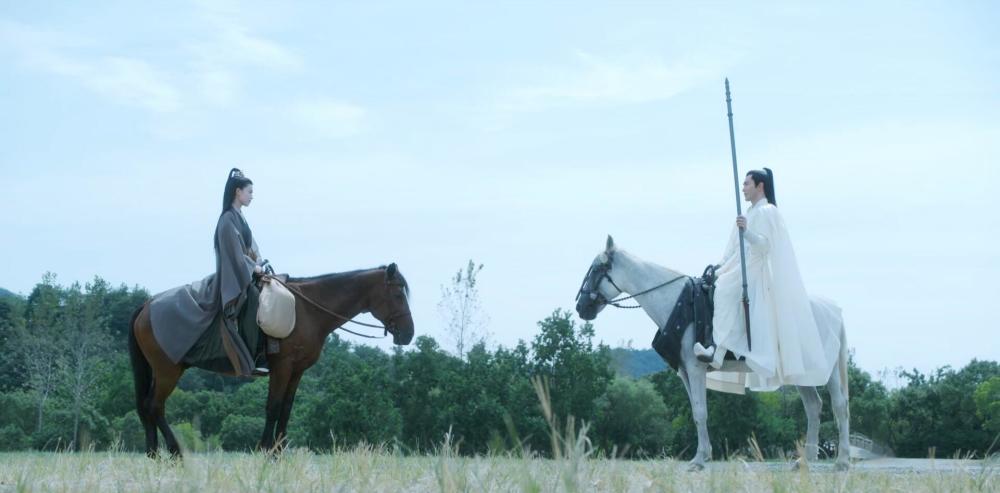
<point x="863" y="442"/>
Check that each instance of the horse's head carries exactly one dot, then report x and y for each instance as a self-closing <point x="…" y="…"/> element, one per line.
<point x="597" y="286"/>
<point x="391" y="306"/>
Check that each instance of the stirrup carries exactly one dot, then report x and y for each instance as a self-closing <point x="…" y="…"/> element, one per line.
<point x="704" y="354"/>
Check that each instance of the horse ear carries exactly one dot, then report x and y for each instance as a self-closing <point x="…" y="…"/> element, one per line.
<point x="391" y="271"/>
<point x="611" y="244"/>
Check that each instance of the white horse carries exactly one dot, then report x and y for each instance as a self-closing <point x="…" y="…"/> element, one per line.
<point x="615" y="271"/>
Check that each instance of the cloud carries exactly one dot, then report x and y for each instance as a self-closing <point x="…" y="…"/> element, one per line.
<point x="330" y="117"/>
<point x="234" y="43"/>
<point x="211" y="70"/>
<point x="124" y="80"/>
<point x="231" y="46"/>
<point x="233" y="40"/>
<point x="594" y="81"/>
<point x="218" y="86"/>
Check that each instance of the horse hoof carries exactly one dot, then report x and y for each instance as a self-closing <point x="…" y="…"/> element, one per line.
<point x="695" y="466"/>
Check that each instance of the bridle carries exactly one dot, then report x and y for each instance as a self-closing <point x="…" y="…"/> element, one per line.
<point x="390" y="324"/>
<point x="602" y="271"/>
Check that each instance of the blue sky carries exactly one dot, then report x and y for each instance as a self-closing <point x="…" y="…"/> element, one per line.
<point x="518" y="135"/>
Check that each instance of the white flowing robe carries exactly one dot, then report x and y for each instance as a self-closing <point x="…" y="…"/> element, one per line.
<point x="788" y="347"/>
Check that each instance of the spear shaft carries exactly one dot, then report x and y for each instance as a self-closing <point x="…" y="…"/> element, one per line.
<point x="739" y="212"/>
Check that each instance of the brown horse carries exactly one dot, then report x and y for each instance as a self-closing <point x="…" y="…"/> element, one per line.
<point x="383" y="292"/>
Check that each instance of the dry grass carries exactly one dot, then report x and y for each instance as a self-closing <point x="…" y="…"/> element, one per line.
<point x="574" y="468"/>
<point x="373" y="469"/>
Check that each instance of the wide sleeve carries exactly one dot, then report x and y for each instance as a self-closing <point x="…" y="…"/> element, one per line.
<point x="235" y="267"/>
<point x="758" y="239"/>
<point x="257" y="258"/>
<point x="731" y="246"/>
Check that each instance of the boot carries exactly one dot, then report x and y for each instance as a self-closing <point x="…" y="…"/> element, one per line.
<point x="704" y="354"/>
<point x="261" y="370"/>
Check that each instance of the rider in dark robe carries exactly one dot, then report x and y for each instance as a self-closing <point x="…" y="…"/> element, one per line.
<point x="180" y="316"/>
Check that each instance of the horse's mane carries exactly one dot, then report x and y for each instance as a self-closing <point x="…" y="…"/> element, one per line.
<point x="651" y="265"/>
<point x="337" y="276"/>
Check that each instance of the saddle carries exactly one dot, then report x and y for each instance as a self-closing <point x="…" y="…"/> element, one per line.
<point x="694" y="308"/>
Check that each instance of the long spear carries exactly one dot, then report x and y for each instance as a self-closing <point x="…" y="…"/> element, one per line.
<point x="739" y="212"/>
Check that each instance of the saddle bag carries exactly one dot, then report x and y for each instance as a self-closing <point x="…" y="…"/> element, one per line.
<point x="276" y="312"/>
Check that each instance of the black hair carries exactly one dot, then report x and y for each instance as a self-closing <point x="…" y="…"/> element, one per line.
<point x="235" y="181"/>
<point x="767" y="178"/>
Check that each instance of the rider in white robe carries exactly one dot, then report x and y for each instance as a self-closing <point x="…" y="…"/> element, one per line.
<point x="787" y="347"/>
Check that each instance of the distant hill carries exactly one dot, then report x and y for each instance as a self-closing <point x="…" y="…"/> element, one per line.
<point x="7" y="294"/>
<point x="636" y="362"/>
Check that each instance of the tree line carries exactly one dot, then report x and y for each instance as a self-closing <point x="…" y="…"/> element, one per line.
<point x="65" y="384"/>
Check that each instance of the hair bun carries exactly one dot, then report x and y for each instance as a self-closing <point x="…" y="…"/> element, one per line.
<point x="235" y="173"/>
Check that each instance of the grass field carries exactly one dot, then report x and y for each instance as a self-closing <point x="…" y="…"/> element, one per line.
<point x="375" y="469"/>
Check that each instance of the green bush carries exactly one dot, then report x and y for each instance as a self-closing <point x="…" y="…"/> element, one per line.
<point x="128" y="432"/>
<point x="632" y="417"/>
<point x="241" y="433"/>
<point x="12" y="437"/>
<point x="18" y="408"/>
<point x="987" y="399"/>
<point x="56" y="432"/>
<point x="189" y="437"/>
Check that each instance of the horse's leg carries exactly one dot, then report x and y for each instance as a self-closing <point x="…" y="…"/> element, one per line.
<point x="155" y="377"/>
<point x="842" y="411"/>
<point x="699" y="409"/>
<point x="277" y="383"/>
<point x="286" y="409"/>
<point x="813" y="404"/>
<point x="148" y="425"/>
<point x="684" y="379"/>
<point x="142" y="376"/>
<point x="164" y="384"/>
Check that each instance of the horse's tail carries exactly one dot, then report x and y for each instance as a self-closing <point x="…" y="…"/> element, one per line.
<point x="142" y="372"/>
<point x="842" y="360"/>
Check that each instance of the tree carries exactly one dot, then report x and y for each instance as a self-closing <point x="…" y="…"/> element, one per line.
<point x="423" y="379"/>
<point x="241" y="433"/>
<point x="356" y="406"/>
<point x="732" y="419"/>
<point x="869" y="404"/>
<point x="84" y="324"/>
<point x="939" y="412"/>
<point x="40" y="346"/>
<point x="987" y="399"/>
<point x="578" y="373"/>
<point x="493" y="400"/>
<point x="632" y="417"/>
<point x="11" y="327"/>
<point x="465" y="321"/>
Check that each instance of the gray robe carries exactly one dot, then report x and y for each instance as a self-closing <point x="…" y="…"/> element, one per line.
<point x="180" y="316"/>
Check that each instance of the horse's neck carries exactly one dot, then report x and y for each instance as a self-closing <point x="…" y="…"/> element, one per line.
<point x="638" y="275"/>
<point x="348" y="296"/>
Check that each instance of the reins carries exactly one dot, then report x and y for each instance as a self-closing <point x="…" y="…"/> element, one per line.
<point x="605" y="268"/>
<point x="300" y="294"/>
<point x="615" y="302"/>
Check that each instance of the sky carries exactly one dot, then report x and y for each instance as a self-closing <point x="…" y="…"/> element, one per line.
<point x="518" y="135"/>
